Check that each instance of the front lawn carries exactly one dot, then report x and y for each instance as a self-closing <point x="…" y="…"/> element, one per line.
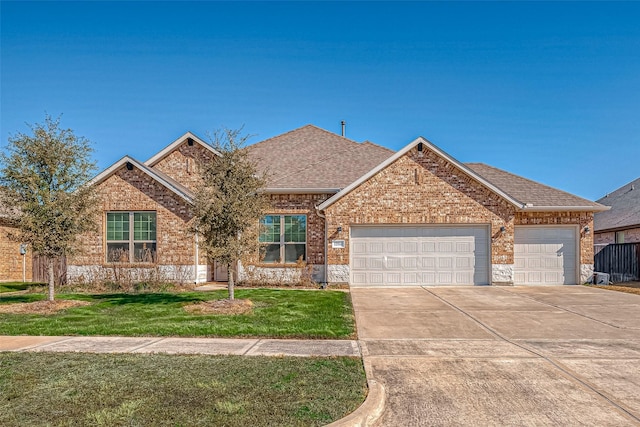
<point x="276" y="313"/>
<point x="56" y="389"/>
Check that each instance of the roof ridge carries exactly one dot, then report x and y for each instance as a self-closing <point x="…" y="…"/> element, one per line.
<point x="309" y="125"/>
<point x="630" y="183"/>
<point x="366" y="141"/>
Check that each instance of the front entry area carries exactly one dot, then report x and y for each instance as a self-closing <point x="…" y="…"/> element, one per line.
<point x="415" y="255"/>
<point x="220" y="273"/>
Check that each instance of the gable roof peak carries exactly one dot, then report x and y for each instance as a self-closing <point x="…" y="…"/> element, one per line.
<point x="158" y="176"/>
<point x="175" y="144"/>
<point x="432" y="147"/>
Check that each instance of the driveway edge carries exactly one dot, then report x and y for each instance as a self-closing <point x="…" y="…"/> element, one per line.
<point x="367" y="413"/>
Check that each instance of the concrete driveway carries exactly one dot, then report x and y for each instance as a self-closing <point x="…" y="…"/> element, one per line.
<point x="565" y="355"/>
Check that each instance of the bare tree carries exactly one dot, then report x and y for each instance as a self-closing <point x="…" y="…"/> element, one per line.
<point x="229" y="203"/>
<point x="44" y="177"/>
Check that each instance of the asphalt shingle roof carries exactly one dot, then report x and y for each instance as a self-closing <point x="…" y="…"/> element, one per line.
<point x="527" y="191"/>
<point x="313" y="158"/>
<point x="625" y="208"/>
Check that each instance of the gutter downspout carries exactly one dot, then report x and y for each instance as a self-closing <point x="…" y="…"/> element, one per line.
<point x="326" y="247"/>
<point x="196" y="260"/>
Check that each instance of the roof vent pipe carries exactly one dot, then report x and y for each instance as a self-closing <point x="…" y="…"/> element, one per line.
<point x="344" y="124"/>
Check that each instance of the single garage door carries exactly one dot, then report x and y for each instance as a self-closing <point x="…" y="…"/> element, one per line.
<point x="545" y="255"/>
<point x="419" y="255"/>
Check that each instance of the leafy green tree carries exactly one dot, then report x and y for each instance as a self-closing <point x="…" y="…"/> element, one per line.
<point x="44" y="178"/>
<point x="229" y="203"/>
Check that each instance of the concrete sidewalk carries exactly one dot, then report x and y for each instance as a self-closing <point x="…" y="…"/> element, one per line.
<point x="211" y="346"/>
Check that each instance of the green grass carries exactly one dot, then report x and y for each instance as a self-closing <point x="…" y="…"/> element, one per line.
<point x="63" y="389"/>
<point x="276" y="313"/>
<point x="17" y="286"/>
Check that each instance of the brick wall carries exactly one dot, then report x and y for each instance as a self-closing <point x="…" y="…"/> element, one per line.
<point x="631" y="235"/>
<point x="135" y="191"/>
<point x="422" y="190"/>
<point x="182" y="163"/>
<point x="10" y="258"/>
<point x="605" y="238"/>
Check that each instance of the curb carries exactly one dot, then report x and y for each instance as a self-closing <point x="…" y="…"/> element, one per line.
<point x="367" y="413"/>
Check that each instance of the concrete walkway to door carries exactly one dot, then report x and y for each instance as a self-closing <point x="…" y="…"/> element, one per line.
<point x="502" y="355"/>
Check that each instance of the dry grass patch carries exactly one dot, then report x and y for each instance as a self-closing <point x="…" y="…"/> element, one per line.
<point x="628" y="287"/>
<point x="220" y="306"/>
<point x="41" y="307"/>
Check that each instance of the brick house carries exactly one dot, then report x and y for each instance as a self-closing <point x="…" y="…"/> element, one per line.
<point x="355" y="213"/>
<point x="14" y="265"/>
<point x="620" y="224"/>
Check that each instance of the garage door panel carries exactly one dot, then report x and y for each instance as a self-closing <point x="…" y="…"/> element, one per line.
<point x="393" y="247"/>
<point x="445" y="247"/>
<point x="376" y="278"/>
<point x="464" y="263"/>
<point x="375" y="248"/>
<point x="444" y="278"/>
<point x="428" y="278"/>
<point x="359" y="263"/>
<point x="428" y="263"/>
<point x="359" y="278"/>
<point x="464" y="247"/>
<point x="427" y="255"/>
<point x="410" y="247"/>
<point x="464" y="277"/>
<point x="359" y="248"/>
<point x="410" y="263"/>
<point x="393" y="278"/>
<point x="545" y="255"/>
<point x="428" y="247"/>
<point x="411" y="278"/>
<point x="375" y="263"/>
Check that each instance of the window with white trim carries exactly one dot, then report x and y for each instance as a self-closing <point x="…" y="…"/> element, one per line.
<point x="619" y="236"/>
<point x="131" y="237"/>
<point x="283" y="239"/>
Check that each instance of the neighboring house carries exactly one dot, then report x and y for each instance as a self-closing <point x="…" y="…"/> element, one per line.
<point x="352" y="212"/>
<point x="15" y="265"/>
<point x="620" y="224"/>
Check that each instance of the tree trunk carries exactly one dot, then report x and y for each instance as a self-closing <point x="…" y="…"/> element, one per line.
<point x="230" y="283"/>
<point x="51" y="278"/>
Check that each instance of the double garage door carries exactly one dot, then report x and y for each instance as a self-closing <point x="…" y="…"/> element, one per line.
<point x="458" y="255"/>
<point x="419" y="255"/>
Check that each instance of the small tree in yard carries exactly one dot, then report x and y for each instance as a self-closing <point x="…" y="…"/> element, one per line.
<point x="43" y="179"/>
<point x="229" y="203"/>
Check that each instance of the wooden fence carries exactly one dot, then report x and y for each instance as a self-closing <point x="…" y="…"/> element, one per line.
<point x="620" y="260"/>
<point x="40" y="273"/>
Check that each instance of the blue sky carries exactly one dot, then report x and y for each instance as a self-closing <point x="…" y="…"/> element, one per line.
<point x="549" y="91"/>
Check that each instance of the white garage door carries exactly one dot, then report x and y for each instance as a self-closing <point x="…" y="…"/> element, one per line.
<point x="419" y="255"/>
<point x="545" y="255"/>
